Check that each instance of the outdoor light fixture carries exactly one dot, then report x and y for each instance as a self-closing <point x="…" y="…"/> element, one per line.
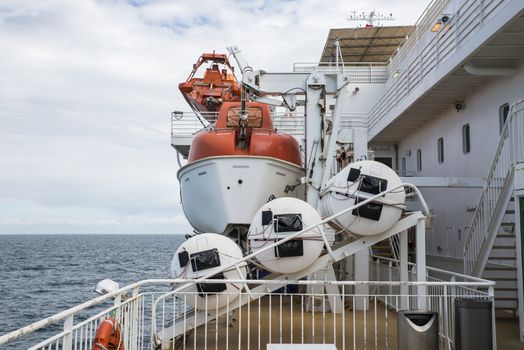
<point x="177" y="114"/>
<point x="440" y="23"/>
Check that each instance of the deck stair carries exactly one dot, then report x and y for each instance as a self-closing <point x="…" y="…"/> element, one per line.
<point x="388" y="248"/>
<point x="490" y="245"/>
<point x="501" y="266"/>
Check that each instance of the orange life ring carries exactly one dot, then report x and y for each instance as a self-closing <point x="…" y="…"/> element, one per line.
<point x="108" y="336"/>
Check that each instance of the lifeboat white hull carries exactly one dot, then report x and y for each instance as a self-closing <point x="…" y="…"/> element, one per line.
<point x="229" y="190"/>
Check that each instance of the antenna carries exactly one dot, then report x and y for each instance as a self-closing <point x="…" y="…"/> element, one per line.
<point x="370" y="17"/>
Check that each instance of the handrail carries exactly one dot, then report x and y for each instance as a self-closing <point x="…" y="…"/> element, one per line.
<point x="346" y="64"/>
<point x="507" y="154"/>
<point x="423" y="23"/>
<point x="71" y="311"/>
<point x="440" y="271"/>
<point x="185" y="124"/>
<point x="468" y="18"/>
<point x="355" y="72"/>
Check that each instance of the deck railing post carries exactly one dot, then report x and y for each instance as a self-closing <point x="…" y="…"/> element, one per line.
<point x="404" y="277"/>
<point x="421" y="263"/>
<point x="68" y="338"/>
<point x="491" y="295"/>
<point x="390" y="270"/>
<point x="118" y="302"/>
<point x="134" y="321"/>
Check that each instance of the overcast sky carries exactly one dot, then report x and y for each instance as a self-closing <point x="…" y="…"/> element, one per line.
<point x="86" y="90"/>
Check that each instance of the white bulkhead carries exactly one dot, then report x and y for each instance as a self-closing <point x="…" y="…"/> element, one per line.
<point x="278" y="219"/>
<point x="355" y="183"/>
<point x="201" y="255"/>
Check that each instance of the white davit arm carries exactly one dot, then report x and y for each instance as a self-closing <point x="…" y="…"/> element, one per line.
<point x="241" y="61"/>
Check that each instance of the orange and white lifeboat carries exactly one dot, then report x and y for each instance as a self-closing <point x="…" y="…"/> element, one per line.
<point x="236" y="167"/>
<point x="217" y="85"/>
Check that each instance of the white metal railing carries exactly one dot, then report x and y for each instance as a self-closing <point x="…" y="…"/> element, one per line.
<point x="386" y="269"/>
<point x="422" y="26"/>
<point x="298" y="315"/>
<point x="130" y="315"/>
<point x="186" y="124"/>
<point x="131" y="307"/>
<point x="466" y="20"/>
<point x="357" y="72"/>
<point x="483" y="227"/>
<point x="250" y="320"/>
<point x="189" y="123"/>
<point x="394" y="242"/>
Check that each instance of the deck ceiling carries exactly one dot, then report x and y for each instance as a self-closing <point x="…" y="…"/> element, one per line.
<point x="375" y="44"/>
<point x="505" y="49"/>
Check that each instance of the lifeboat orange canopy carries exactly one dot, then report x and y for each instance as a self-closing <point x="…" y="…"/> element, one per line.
<point x="218" y="84"/>
<point x="259" y="137"/>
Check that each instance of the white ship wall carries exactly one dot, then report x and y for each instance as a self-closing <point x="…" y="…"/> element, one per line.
<point x="358" y="102"/>
<point x="450" y="217"/>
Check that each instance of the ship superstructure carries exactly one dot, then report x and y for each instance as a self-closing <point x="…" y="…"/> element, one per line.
<point x="400" y="187"/>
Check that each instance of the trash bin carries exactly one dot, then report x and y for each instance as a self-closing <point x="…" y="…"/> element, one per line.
<point x="473" y="324"/>
<point x="417" y="330"/>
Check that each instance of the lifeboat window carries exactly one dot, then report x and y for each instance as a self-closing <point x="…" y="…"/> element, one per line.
<point x="254" y="117"/>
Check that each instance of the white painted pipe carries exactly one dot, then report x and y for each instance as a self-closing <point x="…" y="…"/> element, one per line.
<point x="489" y="71"/>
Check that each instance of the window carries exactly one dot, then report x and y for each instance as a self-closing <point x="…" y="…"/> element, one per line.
<point x="419" y="160"/>
<point x="466" y="144"/>
<point x="403" y="172"/>
<point x="385" y="160"/>
<point x="503" y="115"/>
<point x="440" y="148"/>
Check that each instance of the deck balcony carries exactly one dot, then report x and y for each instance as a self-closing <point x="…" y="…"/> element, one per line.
<point x="437" y="66"/>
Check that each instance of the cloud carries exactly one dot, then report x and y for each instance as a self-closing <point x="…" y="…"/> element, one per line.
<point x="86" y="88"/>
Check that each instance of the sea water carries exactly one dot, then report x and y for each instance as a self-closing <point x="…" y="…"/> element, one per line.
<point x="41" y="275"/>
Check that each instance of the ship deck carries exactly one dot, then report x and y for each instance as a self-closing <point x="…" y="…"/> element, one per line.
<point x="285" y="322"/>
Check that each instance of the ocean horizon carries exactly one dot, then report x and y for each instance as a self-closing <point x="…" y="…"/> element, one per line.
<point x="43" y="274"/>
